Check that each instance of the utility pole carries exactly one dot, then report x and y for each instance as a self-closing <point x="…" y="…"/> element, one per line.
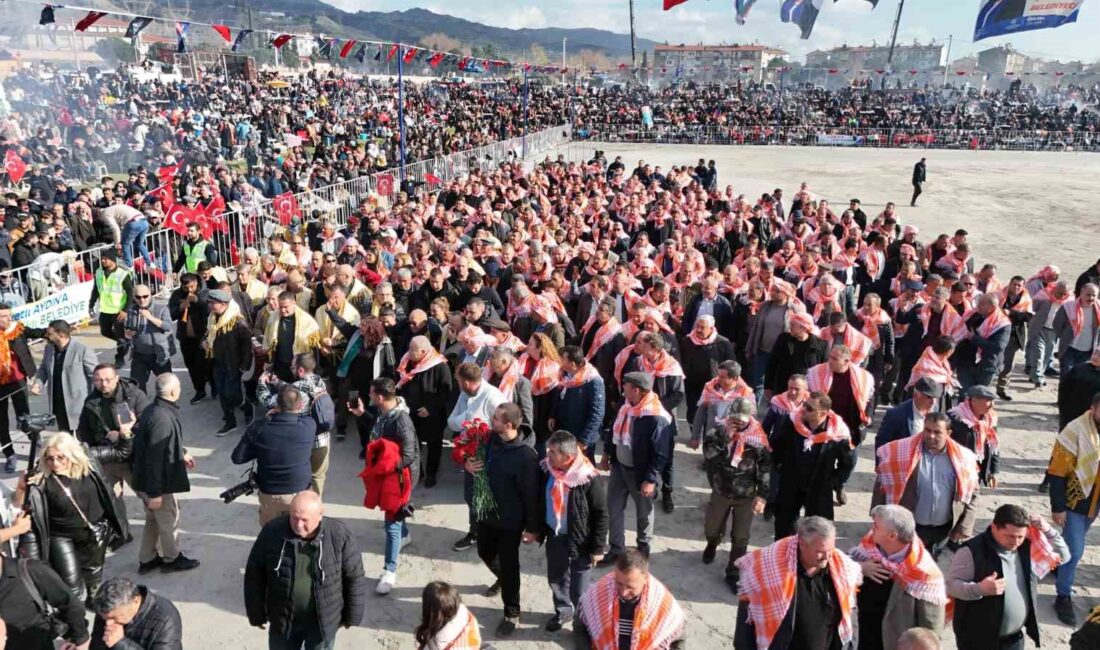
<point x="563" y="39"/>
<point x="893" y="42"/>
<point x="947" y="61"/>
<point x="633" y="61"/>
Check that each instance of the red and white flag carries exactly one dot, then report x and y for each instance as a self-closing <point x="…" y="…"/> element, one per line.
<point x="286" y="208"/>
<point x="385" y="184"/>
<point x="14" y="166"/>
<point x="432" y="179"/>
<point x="178" y="217"/>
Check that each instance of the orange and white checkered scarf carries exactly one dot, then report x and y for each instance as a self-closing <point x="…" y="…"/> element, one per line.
<point x="917" y="571"/>
<point x="1043" y="558"/>
<point x="856" y="341"/>
<point x="714" y="394"/>
<point x="430" y="360"/>
<point x="603" y="335"/>
<point x="835" y="430"/>
<point x="580" y="472"/>
<point x="1024" y="305"/>
<point x="545" y="376"/>
<point x="898" y="459"/>
<point x="658" y="619"/>
<point x="587" y="374"/>
<point x="783" y="404"/>
<point x="753" y="435"/>
<point x="951" y="323"/>
<point x="985" y="428"/>
<point x="768" y="579"/>
<point x="871" y="323"/>
<point x="993" y="323"/>
<point x="664" y="366"/>
<point x="621" y="359"/>
<point x="507" y="385"/>
<point x="7" y="360"/>
<point x="460" y="633"/>
<point x="624" y="421"/>
<point x="820" y="377"/>
<point x="933" y="366"/>
<point x="1076" y="315"/>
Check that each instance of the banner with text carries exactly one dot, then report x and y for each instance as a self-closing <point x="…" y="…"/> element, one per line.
<point x="70" y="304"/>
<point x="998" y="17"/>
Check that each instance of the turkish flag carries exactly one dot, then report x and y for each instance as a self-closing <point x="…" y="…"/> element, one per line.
<point x="346" y="50"/>
<point x="178" y="217"/>
<point x="432" y="179"/>
<point x="393" y="50"/>
<point x="223" y="31"/>
<point x="286" y="208"/>
<point x="669" y="4"/>
<point x="14" y="166"/>
<point x="410" y="54"/>
<point x="166" y="195"/>
<point x="214" y="215"/>
<point x="168" y="172"/>
<point x="385" y="184"/>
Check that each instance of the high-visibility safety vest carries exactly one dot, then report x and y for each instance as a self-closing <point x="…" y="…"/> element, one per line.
<point x="112" y="297"/>
<point x="193" y="256"/>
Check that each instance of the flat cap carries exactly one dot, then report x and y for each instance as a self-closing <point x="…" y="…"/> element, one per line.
<point x="219" y="295"/>
<point x="981" y="392"/>
<point x="928" y="388"/>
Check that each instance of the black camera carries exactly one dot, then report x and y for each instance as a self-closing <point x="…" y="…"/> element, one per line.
<point x="35" y="423"/>
<point x="242" y="489"/>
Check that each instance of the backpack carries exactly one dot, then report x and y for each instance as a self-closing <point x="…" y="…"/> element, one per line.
<point x="323" y="412"/>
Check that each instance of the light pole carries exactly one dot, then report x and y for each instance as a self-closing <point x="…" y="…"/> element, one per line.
<point x="633" y="61"/>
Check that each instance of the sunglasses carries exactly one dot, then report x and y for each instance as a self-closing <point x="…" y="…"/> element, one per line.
<point x="141" y="296"/>
<point x="55" y="459"/>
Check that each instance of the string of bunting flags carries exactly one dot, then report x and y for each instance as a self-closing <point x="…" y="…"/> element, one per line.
<point x="327" y="45"/>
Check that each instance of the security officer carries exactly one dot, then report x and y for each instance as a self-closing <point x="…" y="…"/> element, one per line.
<point x="114" y="289"/>
<point x="195" y="249"/>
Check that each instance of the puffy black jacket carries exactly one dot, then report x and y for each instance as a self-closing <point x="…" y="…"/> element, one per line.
<point x="397" y="427"/>
<point x="586" y="517"/>
<point x="513" y="471"/>
<point x="156" y="625"/>
<point x="339" y="587"/>
<point x="281" y="446"/>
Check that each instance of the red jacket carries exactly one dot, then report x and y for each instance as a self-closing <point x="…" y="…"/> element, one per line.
<point x="386" y="489"/>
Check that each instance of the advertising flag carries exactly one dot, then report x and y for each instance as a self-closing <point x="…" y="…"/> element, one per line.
<point x="998" y="17"/>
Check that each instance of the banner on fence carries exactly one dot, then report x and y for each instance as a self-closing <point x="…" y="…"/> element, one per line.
<point x="69" y="304"/>
<point x="997" y="17"/>
<point x="836" y="140"/>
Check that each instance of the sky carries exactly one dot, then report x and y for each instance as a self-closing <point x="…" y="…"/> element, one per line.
<point x="851" y="22"/>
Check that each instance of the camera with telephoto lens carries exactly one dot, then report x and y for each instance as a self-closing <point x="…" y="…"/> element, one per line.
<point x="33" y="424"/>
<point x="242" y="489"/>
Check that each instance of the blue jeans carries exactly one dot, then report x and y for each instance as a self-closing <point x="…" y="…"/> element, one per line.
<point x="299" y="639"/>
<point x="759" y="368"/>
<point x="1077" y="525"/>
<point x="395" y="530"/>
<point x="134" y="232"/>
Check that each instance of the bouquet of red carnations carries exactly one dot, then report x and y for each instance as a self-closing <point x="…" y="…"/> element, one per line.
<point x="473" y="444"/>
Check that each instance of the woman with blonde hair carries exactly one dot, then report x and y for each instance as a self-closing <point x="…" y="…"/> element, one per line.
<point x="541" y="364"/>
<point x="74" y="514"/>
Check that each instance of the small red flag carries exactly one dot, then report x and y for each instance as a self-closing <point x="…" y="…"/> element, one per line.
<point x="14" y="166"/>
<point x="393" y="51"/>
<point x="286" y="208"/>
<point x="89" y="20"/>
<point x="178" y="217"/>
<point x="168" y="172"/>
<point x="281" y="40"/>
<point x="436" y="59"/>
<point x="385" y="184"/>
<point x="166" y="195"/>
<point x="224" y="32"/>
<point x="346" y="50"/>
<point x="432" y="179"/>
<point x="410" y="54"/>
<point x="669" y="4"/>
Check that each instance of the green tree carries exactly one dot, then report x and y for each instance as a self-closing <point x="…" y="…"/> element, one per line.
<point x="115" y="50"/>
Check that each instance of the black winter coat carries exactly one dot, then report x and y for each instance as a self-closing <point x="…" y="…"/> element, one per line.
<point x="158" y="451"/>
<point x="397" y="427"/>
<point x="586" y="518"/>
<point x="94" y="424"/>
<point x="339" y="587"/>
<point x="513" y="472"/>
<point x="156" y="626"/>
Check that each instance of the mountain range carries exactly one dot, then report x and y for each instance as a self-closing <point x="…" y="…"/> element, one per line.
<point x="410" y="25"/>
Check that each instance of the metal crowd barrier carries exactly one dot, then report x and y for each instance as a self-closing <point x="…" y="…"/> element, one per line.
<point x="251" y="227"/>
<point x="964" y="139"/>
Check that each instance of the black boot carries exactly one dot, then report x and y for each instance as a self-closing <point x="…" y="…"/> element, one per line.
<point x="666" y="501"/>
<point x="710" y="551"/>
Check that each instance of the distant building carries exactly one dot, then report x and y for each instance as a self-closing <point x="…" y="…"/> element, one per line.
<point x="1003" y="59"/>
<point x="712" y="63"/>
<point x="861" y="58"/>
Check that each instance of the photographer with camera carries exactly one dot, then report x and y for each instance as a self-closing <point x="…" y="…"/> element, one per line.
<point x="160" y="473"/>
<point x="281" y="445"/>
<point x="399" y="453"/>
<point x="66" y="372"/>
<point x="75" y="515"/>
<point x="16" y="365"/>
<point x="107" y="422"/>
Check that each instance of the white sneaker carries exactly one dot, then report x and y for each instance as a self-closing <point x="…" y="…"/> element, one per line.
<point x="385" y="583"/>
<point x="406" y="540"/>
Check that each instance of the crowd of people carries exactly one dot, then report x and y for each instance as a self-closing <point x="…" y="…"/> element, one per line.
<point x="553" y="324"/>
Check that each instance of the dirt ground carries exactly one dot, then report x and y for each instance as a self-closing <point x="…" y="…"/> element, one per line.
<point x="1022" y="210"/>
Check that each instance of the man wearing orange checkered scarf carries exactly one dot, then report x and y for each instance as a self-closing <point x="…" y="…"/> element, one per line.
<point x="800" y="592"/>
<point x="629" y="608"/>
<point x="902" y="586"/>
<point x="933" y="477"/>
